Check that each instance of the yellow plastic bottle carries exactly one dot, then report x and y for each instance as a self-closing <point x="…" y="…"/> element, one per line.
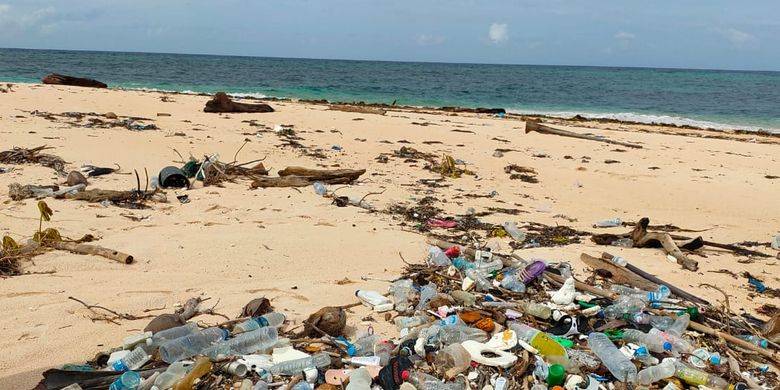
<point x="547" y="346"/>
<point x="201" y="367"/>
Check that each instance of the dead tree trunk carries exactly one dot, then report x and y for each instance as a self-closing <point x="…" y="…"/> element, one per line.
<point x="222" y="103"/>
<point x="86" y="249"/>
<point x="642" y="238"/>
<point x="532" y="125"/>
<point x="59" y="79"/>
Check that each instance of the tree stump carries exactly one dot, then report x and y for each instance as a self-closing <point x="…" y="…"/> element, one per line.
<point x="222" y="103"/>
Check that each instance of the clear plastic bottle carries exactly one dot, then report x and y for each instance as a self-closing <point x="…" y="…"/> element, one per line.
<point x="359" y="379"/>
<point x="269" y="319"/>
<point x="680" y="325"/>
<point x="660" y="294"/>
<point x="757" y="341"/>
<point x="546" y="345"/>
<point x="461" y="263"/>
<point x="481" y="282"/>
<point x="623" y="305"/>
<point x="402" y="322"/>
<point x="452" y="360"/>
<point x="458" y="334"/>
<point x="259" y="340"/>
<point x="175" y="371"/>
<point x="132" y="361"/>
<point x="173" y="333"/>
<point x="402" y="291"/>
<point x="618" y="260"/>
<point x="660" y="322"/>
<point x="464" y="297"/>
<point x="384" y="351"/>
<point x="130" y="380"/>
<point x="696" y="377"/>
<point x="201" y="367"/>
<point x="190" y="345"/>
<point x="515" y="232"/>
<point x="511" y="282"/>
<point x="428" y="292"/>
<point x="614" y="222"/>
<point x="488" y="267"/>
<point x="623" y="243"/>
<point x="364" y="346"/>
<point x="611" y="357"/>
<point x="642" y="355"/>
<point x="292" y="367"/>
<point x="423" y="381"/>
<point x="658" y="341"/>
<point x="320" y="188"/>
<point x="536" y="309"/>
<point x="654" y="374"/>
<point x="437" y="258"/>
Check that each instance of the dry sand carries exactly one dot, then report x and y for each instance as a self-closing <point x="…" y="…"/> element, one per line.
<point x="233" y="244"/>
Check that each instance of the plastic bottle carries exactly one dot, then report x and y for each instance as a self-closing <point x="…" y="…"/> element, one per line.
<point x="618" y="260"/>
<point x="536" y="309"/>
<point x="410" y="322"/>
<point x="696" y="377"/>
<point x="680" y="325"/>
<point x="481" y="282"/>
<point x="660" y="322"/>
<point x="364" y="346"/>
<point x="630" y="304"/>
<point x="464" y="297"/>
<point x="320" y="188"/>
<point x="461" y="263"/>
<point x="201" y="367"/>
<point x="383" y="350"/>
<point x="623" y="243"/>
<point x="374" y="300"/>
<point x="292" y="367"/>
<point x="402" y="292"/>
<point x="130" y="380"/>
<point x="258" y="340"/>
<point x="173" y="333"/>
<point x="642" y="355"/>
<point x="611" y="357"/>
<point x="132" y="361"/>
<point x="174" y="372"/>
<point x="654" y="374"/>
<point x="427" y="293"/>
<point x="775" y="244"/>
<point x="546" y="345"/>
<point x="269" y="319"/>
<point x="452" y="360"/>
<point x="190" y="345"/>
<point x="757" y="341"/>
<point x="488" y="267"/>
<point x="660" y="294"/>
<point x="437" y="258"/>
<point x="359" y="379"/>
<point x="458" y="334"/>
<point x="423" y="381"/>
<point x="658" y="341"/>
<point x="512" y="229"/>
<point x="614" y="222"/>
<point x="511" y="282"/>
<point x="260" y="385"/>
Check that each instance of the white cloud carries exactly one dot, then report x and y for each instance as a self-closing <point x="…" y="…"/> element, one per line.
<point x="498" y="33"/>
<point x="625" y="36"/>
<point x="4" y="8"/>
<point x="430" y="40"/>
<point x="738" y="38"/>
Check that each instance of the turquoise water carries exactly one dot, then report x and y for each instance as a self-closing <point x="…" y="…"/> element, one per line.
<point x="720" y="99"/>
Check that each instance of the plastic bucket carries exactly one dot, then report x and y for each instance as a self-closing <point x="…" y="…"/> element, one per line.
<point x="173" y="177"/>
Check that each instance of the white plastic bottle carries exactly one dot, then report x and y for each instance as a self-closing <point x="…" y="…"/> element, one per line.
<point x="614" y="360"/>
<point x="515" y="232"/>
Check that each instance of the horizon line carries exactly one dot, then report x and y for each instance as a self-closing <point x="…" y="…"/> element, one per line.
<point x="393" y="61"/>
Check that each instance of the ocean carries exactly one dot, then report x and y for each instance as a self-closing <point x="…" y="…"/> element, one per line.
<point x="707" y="98"/>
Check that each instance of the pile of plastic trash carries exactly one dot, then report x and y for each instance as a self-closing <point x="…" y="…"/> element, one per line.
<point x="478" y="322"/>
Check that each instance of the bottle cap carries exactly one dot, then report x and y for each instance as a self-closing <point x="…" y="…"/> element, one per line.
<point x="641" y="351"/>
<point x="405" y="375"/>
<point x="555" y="375"/>
<point x="667" y="346"/>
<point x="225" y="334"/>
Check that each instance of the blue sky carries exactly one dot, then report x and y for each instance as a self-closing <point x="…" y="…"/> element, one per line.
<point x="712" y="34"/>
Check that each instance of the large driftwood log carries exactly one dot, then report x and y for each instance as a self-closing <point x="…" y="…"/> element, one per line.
<point x="358" y="109"/>
<point x="59" y="79"/>
<point x="86" y="249"/>
<point x="532" y="125"/>
<point x="302" y="177"/>
<point x="619" y="274"/>
<point x="222" y="103"/>
<point x="642" y="238"/>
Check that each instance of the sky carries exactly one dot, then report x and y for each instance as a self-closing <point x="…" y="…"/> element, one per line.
<point x="704" y="34"/>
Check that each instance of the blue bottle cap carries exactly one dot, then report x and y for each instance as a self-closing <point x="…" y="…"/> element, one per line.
<point x="225" y="334"/>
<point x="715" y="359"/>
<point x="119" y="366"/>
<point x="261" y="321"/>
<point x="763" y="343"/>
<point x="641" y="351"/>
<point x="667" y="346"/>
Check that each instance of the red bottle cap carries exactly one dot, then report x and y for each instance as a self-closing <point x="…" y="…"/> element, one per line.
<point x="405" y="375"/>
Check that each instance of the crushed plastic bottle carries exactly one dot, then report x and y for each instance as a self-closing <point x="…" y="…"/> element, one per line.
<point x="480" y="281"/>
<point x="130" y="380"/>
<point x="642" y="318"/>
<point x="292" y="367"/>
<point x="437" y="258"/>
<point x="190" y="345"/>
<point x="512" y="283"/>
<point x="658" y="341"/>
<point x="320" y="188"/>
<point x="259" y="340"/>
<point x="175" y="371"/>
<point x="757" y="341"/>
<point x="427" y="293"/>
<point x="457" y="334"/>
<point x="536" y="309"/>
<point x="642" y="355"/>
<point x="452" y="360"/>
<point x="423" y="381"/>
<point x="696" y="377"/>
<point x="611" y="357"/>
<point x="515" y="232"/>
<point x="402" y="322"/>
<point x="625" y="304"/>
<point x="614" y="222"/>
<point x="402" y="291"/>
<point x="654" y="374"/>
<point x="543" y="343"/>
<point x="623" y="243"/>
<point x="660" y="294"/>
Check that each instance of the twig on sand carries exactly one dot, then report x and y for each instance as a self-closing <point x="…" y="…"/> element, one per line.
<point x="104" y="317"/>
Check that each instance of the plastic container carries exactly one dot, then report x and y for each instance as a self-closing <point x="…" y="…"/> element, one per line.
<point x="374" y="300"/>
<point x="132" y="361"/>
<point x="614" y="222"/>
<point x="364" y="346"/>
<point x="428" y="292"/>
<point x="660" y="294"/>
<point x="515" y="232"/>
<point x="402" y="291"/>
<point x="623" y="243"/>
<point x="190" y="345"/>
<point x="543" y="343"/>
<point x="611" y="357"/>
<point x="660" y="322"/>
<point x="757" y="341"/>
<point x="270" y="319"/>
<point x="618" y="260"/>
<point x="437" y="258"/>
<point x="359" y="379"/>
<point x="653" y="344"/>
<point x="259" y="340"/>
<point x="680" y="325"/>
<point x="410" y="322"/>
<point x="173" y="333"/>
<point x="292" y="367"/>
<point x="555" y="375"/>
<point x="319" y="188"/>
<point x="452" y="360"/>
<point x="130" y="380"/>
<point x="201" y="367"/>
<point x="482" y="283"/>
<point x="536" y="309"/>
<point x="696" y="377"/>
<point x="642" y="355"/>
<point x="464" y="297"/>
<point x="487" y="267"/>
<point x="174" y="372"/>
<point x="654" y="374"/>
<point x="423" y="381"/>
<point x="173" y="177"/>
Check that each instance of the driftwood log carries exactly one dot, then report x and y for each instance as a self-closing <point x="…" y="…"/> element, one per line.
<point x="619" y="274"/>
<point x="222" y="103"/>
<point x="59" y="79"/>
<point x="87" y="249"/>
<point x="532" y="125"/>
<point x="302" y="177"/>
<point x="358" y="109"/>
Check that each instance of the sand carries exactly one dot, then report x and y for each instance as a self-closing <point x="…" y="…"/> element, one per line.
<point x="233" y="244"/>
